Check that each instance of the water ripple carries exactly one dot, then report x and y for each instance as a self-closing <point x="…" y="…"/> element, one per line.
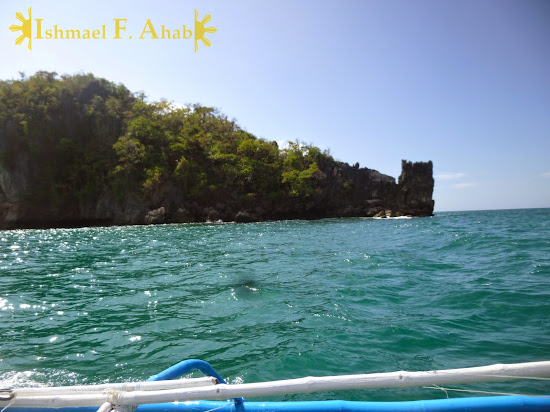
<point x="277" y="300"/>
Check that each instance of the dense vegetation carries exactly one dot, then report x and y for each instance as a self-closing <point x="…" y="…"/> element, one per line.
<point x="80" y="136"/>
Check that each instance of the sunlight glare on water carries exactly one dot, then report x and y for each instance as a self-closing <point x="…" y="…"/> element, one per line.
<point x="278" y="300"/>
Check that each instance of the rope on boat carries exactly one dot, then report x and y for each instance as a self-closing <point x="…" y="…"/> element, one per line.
<point x="219" y="407"/>
<point x="115" y="403"/>
<point x="512" y="377"/>
<point x="108" y="406"/>
<point x="484" y="392"/>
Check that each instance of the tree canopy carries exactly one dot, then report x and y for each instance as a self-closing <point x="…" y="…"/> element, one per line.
<point x="79" y="136"/>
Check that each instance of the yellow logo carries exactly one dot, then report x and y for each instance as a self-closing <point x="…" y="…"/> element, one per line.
<point x="118" y="29"/>
<point x="200" y="30"/>
<point x="26" y="28"/>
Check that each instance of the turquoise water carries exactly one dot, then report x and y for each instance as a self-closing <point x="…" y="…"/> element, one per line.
<point x="278" y="300"/>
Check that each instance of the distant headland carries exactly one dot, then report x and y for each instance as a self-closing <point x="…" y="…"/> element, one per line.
<point x="83" y="151"/>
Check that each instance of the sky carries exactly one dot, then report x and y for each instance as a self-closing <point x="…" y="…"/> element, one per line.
<point x="463" y="83"/>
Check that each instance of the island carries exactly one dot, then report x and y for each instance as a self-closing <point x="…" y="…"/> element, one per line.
<point x="77" y="150"/>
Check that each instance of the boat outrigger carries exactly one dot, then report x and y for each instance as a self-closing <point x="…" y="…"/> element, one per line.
<point x="165" y="393"/>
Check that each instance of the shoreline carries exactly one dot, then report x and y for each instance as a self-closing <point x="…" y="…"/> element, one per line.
<point x="110" y="223"/>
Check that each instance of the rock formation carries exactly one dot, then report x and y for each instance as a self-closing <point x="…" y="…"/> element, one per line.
<point x="82" y="151"/>
<point x="343" y="191"/>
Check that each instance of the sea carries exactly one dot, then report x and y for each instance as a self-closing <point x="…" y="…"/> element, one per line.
<point x="280" y="300"/>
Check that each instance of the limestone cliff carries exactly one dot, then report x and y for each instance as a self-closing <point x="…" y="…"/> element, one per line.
<point x="80" y="150"/>
<point x="415" y="188"/>
<point x="343" y="191"/>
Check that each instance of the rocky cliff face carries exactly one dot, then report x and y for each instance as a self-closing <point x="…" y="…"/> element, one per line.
<point x="415" y="188"/>
<point x="343" y="191"/>
<point x="13" y="186"/>
<point x="369" y="193"/>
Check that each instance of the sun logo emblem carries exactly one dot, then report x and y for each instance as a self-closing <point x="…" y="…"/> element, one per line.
<point x="200" y="30"/>
<point x="26" y="28"/>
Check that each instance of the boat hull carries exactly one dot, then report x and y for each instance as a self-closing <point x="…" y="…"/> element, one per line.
<point x="485" y="404"/>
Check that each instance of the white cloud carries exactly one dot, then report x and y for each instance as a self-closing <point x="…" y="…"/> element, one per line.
<point x="463" y="185"/>
<point x="449" y="176"/>
<point x="547" y="174"/>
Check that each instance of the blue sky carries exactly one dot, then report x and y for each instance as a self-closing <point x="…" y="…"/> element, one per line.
<point x="463" y="83"/>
